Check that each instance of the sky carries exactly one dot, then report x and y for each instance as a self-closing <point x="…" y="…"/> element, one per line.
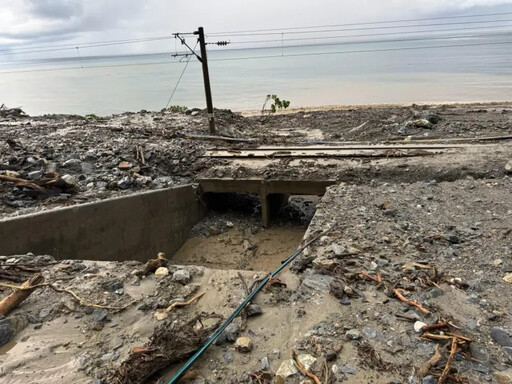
<point x="51" y="22"/>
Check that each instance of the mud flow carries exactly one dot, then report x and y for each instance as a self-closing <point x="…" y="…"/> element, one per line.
<point x="231" y="235"/>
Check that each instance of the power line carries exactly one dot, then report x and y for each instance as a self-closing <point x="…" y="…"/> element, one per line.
<point x="72" y="45"/>
<point x="179" y="78"/>
<point x="358" y="29"/>
<point x="88" y="46"/>
<point x="364" y="51"/>
<point x="368" y="34"/>
<point x="282" y="47"/>
<point x="508" y="33"/>
<point x="367" y="23"/>
<point x="272" y="56"/>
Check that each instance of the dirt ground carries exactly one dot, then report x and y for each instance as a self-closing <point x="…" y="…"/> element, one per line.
<point x="412" y="241"/>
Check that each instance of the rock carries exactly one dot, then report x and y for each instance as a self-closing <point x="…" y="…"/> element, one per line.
<point x="508" y="278"/>
<point x="101" y="316"/>
<point x="265" y="364"/>
<point x="348" y="369"/>
<point x="338" y="250"/>
<point x="287" y="369"/>
<point x="70" y="179"/>
<point x="35" y="175"/>
<point x="162" y="271"/>
<point x="243" y="344"/>
<point x="501" y="337"/>
<point x="45" y="312"/>
<point x="422" y="123"/>
<point x="253" y="310"/>
<point x="230" y="333"/>
<point x="353" y="334"/>
<point x="418" y="325"/>
<point x="228" y="357"/>
<point x="429" y="380"/>
<point x="479" y="352"/>
<point x="124" y="183"/>
<point x="504" y="377"/>
<point x="508" y="167"/>
<point x="229" y="224"/>
<point x="433" y="118"/>
<point x="181" y="276"/>
<point x="124" y="165"/>
<point x="318" y="282"/>
<point x="74" y="164"/>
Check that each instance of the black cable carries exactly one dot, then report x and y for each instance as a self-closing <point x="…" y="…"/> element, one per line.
<point x="359" y="29"/>
<point x="368" y="34"/>
<point x="366" y="23"/>
<point x="272" y="56"/>
<point x="508" y="33"/>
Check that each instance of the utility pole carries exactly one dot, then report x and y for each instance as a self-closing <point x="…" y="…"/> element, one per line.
<point x="206" y="78"/>
<point x="204" y="61"/>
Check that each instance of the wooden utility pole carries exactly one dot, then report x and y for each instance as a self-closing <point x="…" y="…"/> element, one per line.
<point x="206" y="78"/>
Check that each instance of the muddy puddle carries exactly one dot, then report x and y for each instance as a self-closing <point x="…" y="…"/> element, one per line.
<point x="241" y="249"/>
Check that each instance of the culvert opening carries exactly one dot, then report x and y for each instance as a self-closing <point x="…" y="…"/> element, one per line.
<point x="231" y="235"/>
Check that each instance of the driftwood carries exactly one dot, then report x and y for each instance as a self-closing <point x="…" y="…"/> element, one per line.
<point x="171" y="342"/>
<point x="18" y="296"/>
<point x="22" y="183"/>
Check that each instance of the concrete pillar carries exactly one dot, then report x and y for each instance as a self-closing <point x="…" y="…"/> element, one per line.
<point x="271" y="203"/>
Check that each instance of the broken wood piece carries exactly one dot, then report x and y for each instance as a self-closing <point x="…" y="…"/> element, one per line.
<point x="18" y="296"/>
<point x="22" y="183"/>
<point x="186" y="303"/>
<point x="377" y="279"/>
<point x="431" y="327"/>
<point x="303" y="369"/>
<point x="430" y="363"/>
<point x="446" y="370"/>
<point x="401" y="297"/>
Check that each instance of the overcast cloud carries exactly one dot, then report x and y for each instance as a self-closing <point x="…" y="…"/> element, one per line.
<point x="78" y="21"/>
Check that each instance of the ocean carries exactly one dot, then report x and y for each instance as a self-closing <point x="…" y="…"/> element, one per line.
<point x="449" y="70"/>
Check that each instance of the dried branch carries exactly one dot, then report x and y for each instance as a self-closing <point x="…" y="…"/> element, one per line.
<point x="184" y="304"/>
<point x="398" y="293"/>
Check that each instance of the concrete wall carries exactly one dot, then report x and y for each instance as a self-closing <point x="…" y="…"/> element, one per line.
<point x="134" y="227"/>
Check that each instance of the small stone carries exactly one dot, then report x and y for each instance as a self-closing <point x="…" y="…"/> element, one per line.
<point x="508" y="167"/>
<point x="70" y="179"/>
<point x="119" y="291"/>
<point x="498" y="262"/>
<point x="101" y="316"/>
<point x="253" y="310"/>
<point x="74" y="164"/>
<point x="231" y="332"/>
<point x="35" y="175"/>
<point x="286" y="369"/>
<point x="181" y="276"/>
<point x="228" y="357"/>
<point x="422" y="123"/>
<point x="265" y="364"/>
<point x="45" y="312"/>
<point x="162" y="271"/>
<point x="508" y="278"/>
<point x="124" y="165"/>
<point x="229" y="224"/>
<point x="501" y="337"/>
<point x="429" y="380"/>
<point x="243" y="344"/>
<point x="348" y="369"/>
<point x="353" y="334"/>
<point x="479" y="352"/>
<point x="161" y="315"/>
<point x="418" y="325"/>
<point x="38" y="325"/>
